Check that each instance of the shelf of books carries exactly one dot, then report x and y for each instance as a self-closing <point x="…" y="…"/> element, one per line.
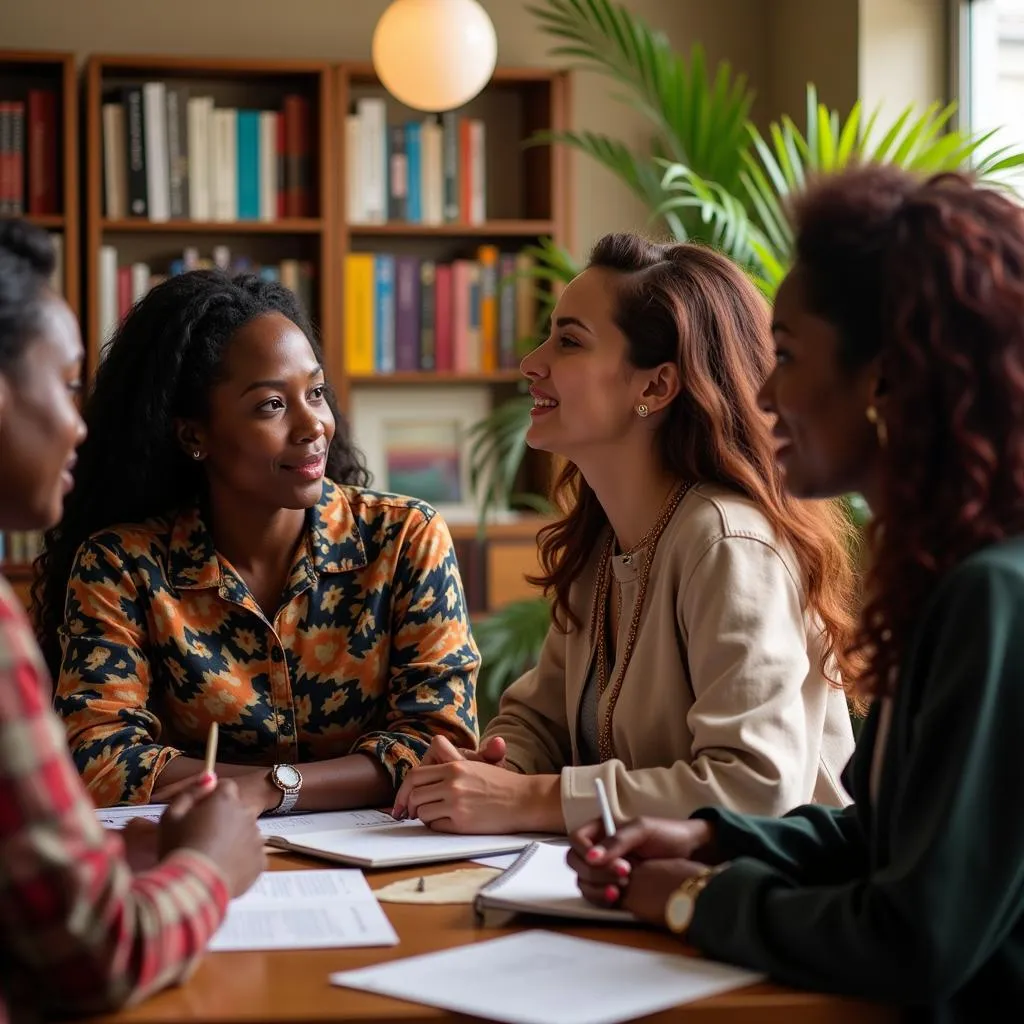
<point x="195" y="163"/>
<point x="38" y="181"/>
<point x="437" y="216"/>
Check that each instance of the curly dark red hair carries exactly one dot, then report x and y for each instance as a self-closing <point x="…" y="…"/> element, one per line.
<point x="929" y="277"/>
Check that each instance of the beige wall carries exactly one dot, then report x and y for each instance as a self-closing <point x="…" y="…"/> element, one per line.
<point x="342" y="30"/>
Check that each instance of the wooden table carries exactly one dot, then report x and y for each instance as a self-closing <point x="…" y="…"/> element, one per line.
<point x="292" y="987"/>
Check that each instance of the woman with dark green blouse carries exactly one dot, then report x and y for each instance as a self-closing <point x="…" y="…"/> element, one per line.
<point x="900" y="375"/>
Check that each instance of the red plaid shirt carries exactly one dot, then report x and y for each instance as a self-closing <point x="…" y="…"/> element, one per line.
<point x="78" y="930"/>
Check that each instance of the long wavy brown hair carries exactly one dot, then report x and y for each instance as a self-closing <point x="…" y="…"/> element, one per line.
<point x="927" y="276"/>
<point x="687" y="304"/>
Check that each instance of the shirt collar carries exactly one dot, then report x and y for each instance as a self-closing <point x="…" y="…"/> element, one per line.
<point x="334" y="544"/>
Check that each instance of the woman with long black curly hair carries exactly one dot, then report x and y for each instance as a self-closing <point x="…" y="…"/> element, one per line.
<point x="900" y="374"/>
<point x="221" y="560"/>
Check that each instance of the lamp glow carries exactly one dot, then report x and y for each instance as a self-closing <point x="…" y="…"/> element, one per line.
<point x="434" y="55"/>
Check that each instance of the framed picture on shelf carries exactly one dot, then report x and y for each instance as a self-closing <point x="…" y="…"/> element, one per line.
<point x="416" y="442"/>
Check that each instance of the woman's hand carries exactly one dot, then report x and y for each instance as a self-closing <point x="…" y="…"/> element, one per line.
<point x="141" y="839"/>
<point x="472" y="797"/>
<point x="255" y="789"/>
<point x="443" y="751"/>
<point x="605" y="864"/>
<point x="651" y="883"/>
<point x="215" y="822"/>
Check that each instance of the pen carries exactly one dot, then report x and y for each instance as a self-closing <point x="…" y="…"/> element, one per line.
<point x="606" y="811"/>
<point x="211" y="749"/>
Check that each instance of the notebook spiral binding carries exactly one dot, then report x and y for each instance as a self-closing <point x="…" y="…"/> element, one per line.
<point x="495" y="883"/>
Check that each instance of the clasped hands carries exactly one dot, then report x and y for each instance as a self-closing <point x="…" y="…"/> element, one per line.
<point x="639" y="867"/>
<point x="476" y="791"/>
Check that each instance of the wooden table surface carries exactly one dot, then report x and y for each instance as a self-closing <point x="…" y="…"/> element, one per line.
<point x="292" y="987"/>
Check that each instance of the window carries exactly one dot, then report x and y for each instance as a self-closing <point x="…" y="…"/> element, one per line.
<point x="989" y="70"/>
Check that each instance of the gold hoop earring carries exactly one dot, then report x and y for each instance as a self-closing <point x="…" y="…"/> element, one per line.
<point x="642" y="410"/>
<point x="881" y="430"/>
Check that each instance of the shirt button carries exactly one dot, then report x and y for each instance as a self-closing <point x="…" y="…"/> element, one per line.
<point x="275" y="654"/>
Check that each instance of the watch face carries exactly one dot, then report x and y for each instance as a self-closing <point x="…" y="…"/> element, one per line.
<point x="287" y="776"/>
<point x="679" y="911"/>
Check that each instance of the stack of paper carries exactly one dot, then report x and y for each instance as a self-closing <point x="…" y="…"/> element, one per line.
<point x="538" y="977"/>
<point x="305" y="910"/>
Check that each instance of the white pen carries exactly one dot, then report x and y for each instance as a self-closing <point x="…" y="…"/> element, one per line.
<point x="606" y="811"/>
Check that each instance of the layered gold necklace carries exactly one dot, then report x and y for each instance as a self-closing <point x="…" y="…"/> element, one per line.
<point x="599" y="618"/>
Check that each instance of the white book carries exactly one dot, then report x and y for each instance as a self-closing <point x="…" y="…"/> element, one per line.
<point x="108" y="306"/>
<point x="477" y="172"/>
<point x="224" y="173"/>
<point x="268" y="164"/>
<point x="305" y="910"/>
<point x="432" y="171"/>
<point x="115" y="162"/>
<point x="539" y="977"/>
<point x="372" y="839"/>
<point x="541" y="882"/>
<point x="158" y="180"/>
<point x="355" y="206"/>
<point x="141" y="274"/>
<point x="374" y="151"/>
<point x="200" y="114"/>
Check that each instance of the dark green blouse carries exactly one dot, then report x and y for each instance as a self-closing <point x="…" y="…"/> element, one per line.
<point x="918" y="901"/>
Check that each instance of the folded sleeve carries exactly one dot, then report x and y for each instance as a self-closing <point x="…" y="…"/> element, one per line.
<point x="434" y="659"/>
<point x="918" y="926"/>
<point x="103" y="691"/>
<point x="741" y="615"/>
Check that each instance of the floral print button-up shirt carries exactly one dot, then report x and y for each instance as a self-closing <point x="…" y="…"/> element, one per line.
<point x="370" y="650"/>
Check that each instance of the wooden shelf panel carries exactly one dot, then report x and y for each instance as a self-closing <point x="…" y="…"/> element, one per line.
<point x="428" y="378"/>
<point x="496" y="228"/>
<point x="285" y="226"/>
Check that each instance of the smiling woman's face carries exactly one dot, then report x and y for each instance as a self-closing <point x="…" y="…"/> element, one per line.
<point x="269" y="426"/>
<point x="826" y="446"/>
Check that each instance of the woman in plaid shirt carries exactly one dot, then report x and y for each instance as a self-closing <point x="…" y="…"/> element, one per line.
<point x="80" y="929"/>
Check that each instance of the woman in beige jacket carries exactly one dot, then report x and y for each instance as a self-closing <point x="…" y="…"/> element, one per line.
<point x="701" y="617"/>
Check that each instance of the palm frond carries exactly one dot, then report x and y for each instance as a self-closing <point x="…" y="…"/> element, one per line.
<point x="496" y="450"/>
<point x="701" y="118"/>
<point x="509" y="640"/>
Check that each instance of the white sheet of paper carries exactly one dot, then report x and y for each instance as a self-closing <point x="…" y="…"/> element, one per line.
<point x="540" y="977"/>
<point x="305" y="910"/>
<point x="322" y="821"/>
<point x="499" y="861"/>
<point x="118" y="817"/>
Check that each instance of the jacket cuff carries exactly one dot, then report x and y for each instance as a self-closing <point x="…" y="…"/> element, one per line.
<point x="579" y="795"/>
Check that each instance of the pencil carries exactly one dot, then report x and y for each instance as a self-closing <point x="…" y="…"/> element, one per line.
<point x="606" y="811"/>
<point x="211" y="749"/>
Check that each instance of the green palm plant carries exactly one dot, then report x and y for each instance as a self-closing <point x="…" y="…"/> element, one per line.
<point x="710" y="175"/>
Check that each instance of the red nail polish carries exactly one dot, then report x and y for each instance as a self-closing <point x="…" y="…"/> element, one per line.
<point x="611" y="893"/>
<point x="593" y="855"/>
<point x="622" y="869"/>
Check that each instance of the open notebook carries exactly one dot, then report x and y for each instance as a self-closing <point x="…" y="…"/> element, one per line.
<point x="372" y="839"/>
<point x="540" y="882"/>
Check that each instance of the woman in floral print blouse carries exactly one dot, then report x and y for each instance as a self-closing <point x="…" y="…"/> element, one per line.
<point x="221" y="560"/>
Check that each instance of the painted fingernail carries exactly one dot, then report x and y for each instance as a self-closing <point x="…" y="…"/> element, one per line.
<point x="207" y="780"/>
<point x="622" y="869"/>
<point x="594" y="854"/>
<point x="611" y="893"/>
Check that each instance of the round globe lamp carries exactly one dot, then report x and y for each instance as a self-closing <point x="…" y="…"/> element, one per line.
<point x="434" y="55"/>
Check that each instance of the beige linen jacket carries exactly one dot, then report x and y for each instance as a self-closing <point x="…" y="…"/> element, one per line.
<point x="723" y="702"/>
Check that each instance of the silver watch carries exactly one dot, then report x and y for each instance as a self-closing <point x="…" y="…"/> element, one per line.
<point x="288" y="779"/>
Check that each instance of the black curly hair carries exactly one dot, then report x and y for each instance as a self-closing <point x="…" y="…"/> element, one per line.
<point x="160" y="366"/>
<point x="27" y="261"/>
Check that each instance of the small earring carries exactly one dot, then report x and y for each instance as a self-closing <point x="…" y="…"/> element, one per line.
<point x="197" y="454"/>
<point x="642" y="410"/>
<point x="881" y="430"/>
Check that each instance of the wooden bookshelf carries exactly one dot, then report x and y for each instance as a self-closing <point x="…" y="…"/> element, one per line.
<point x="20" y="72"/>
<point x="526" y="200"/>
<point x="232" y="83"/>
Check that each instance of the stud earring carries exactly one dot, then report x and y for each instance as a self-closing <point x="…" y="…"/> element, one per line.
<point x="197" y="454"/>
<point x="642" y="410"/>
<point x="881" y="430"/>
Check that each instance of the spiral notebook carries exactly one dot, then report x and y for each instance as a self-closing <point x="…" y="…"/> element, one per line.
<point x="541" y="882"/>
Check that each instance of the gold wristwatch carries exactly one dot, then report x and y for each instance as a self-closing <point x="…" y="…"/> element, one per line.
<point x="681" y="904"/>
